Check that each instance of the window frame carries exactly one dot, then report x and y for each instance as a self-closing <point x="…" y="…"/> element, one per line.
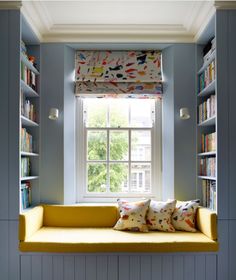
<point x="81" y="160"/>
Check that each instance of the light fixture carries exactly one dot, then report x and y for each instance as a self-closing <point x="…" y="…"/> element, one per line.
<point x="184" y="113"/>
<point x="53" y="114"/>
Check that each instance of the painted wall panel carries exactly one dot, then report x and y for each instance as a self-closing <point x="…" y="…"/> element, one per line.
<point x="47" y="266"/>
<point x="189" y="267"/>
<point x="52" y="96"/>
<point x="211" y="261"/>
<point x="4" y="233"/>
<point x="91" y="267"/>
<point x="124" y="267"/>
<point x="145" y="268"/>
<point x="200" y="267"/>
<point x="69" y="127"/>
<point x="157" y="267"/>
<point x="222" y="114"/>
<point x="102" y="267"/>
<point x="25" y="263"/>
<point x="14" y="108"/>
<point x="232" y="250"/>
<point x="112" y="272"/>
<point x="14" y="263"/>
<point x="37" y="268"/>
<point x="178" y="267"/>
<point x="4" y="117"/>
<point x="80" y="273"/>
<point x="232" y="112"/>
<point x="184" y="131"/>
<point x="58" y="267"/>
<point x="69" y="267"/>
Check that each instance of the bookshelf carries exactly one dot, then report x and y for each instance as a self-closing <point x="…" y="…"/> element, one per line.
<point x="207" y="118"/>
<point x="29" y="118"/>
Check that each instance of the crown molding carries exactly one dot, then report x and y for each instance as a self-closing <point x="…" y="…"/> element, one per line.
<point x="225" y="5"/>
<point x="10" y="5"/>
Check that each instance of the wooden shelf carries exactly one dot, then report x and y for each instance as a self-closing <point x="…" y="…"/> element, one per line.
<point x="27" y="90"/>
<point x="207" y="63"/>
<point x="207" y="154"/>
<point x="28" y="64"/>
<point x="27" y="122"/>
<point x="29" y="154"/>
<point x="207" y="178"/>
<point x="29" y="178"/>
<point x="208" y="90"/>
<point x="208" y="122"/>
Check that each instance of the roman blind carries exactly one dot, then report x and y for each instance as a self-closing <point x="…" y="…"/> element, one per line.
<point x="132" y="74"/>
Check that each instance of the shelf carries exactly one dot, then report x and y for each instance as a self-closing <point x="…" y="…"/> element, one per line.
<point x="29" y="64"/>
<point x="29" y="154"/>
<point x="207" y="154"/>
<point x="203" y="68"/>
<point x="27" y="122"/>
<point x="208" y="90"/>
<point x="29" y="178"/>
<point x="208" y="122"/>
<point x="27" y="90"/>
<point x="207" y="178"/>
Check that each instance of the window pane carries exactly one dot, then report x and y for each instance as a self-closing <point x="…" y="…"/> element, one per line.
<point x="140" y="177"/>
<point x="96" y="113"/>
<point x="119" y="145"/>
<point x="97" y="145"/>
<point x="142" y="112"/>
<point x="141" y="145"/>
<point x="97" y="177"/>
<point x="119" y="113"/>
<point x="119" y="177"/>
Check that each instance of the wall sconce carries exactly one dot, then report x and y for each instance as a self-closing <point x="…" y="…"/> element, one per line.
<point x="53" y="114"/>
<point x="184" y="114"/>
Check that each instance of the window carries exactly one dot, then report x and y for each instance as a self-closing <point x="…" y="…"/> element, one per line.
<point x="118" y="148"/>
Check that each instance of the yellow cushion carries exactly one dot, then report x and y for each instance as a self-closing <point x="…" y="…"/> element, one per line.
<point x="207" y="222"/>
<point x="30" y="222"/>
<point x="80" y="216"/>
<point x="61" y="239"/>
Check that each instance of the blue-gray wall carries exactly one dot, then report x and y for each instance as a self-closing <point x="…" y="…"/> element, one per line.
<point x="57" y="145"/>
<point x="179" y="136"/>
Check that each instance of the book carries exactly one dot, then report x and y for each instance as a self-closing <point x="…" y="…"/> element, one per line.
<point x="209" y="194"/>
<point x="26" y="195"/>
<point x="207" y="109"/>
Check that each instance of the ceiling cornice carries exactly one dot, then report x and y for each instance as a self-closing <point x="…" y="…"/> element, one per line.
<point x="10" y="5"/>
<point x="225" y="5"/>
<point x="41" y="22"/>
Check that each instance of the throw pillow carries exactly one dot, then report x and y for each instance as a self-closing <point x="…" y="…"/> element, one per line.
<point x="184" y="215"/>
<point x="159" y="215"/>
<point x="132" y="215"/>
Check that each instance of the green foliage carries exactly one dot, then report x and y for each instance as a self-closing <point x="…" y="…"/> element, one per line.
<point x="97" y="150"/>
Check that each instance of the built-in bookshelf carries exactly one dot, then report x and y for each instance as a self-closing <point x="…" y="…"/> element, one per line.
<point x="207" y="118"/>
<point x="29" y="117"/>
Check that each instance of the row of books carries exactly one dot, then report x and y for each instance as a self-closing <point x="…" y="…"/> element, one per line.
<point x="208" y="142"/>
<point x="209" y="49"/>
<point x="209" y="194"/>
<point x="26" y="195"/>
<point x="207" y="109"/>
<point x="25" y="167"/>
<point x="207" y="76"/>
<point x="28" y="76"/>
<point x="208" y="166"/>
<point x="27" y="108"/>
<point x="26" y="141"/>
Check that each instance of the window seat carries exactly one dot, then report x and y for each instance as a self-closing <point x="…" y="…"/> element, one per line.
<point x="88" y="229"/>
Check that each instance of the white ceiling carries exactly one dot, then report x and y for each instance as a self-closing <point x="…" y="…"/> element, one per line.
<point x="118" y="21"/>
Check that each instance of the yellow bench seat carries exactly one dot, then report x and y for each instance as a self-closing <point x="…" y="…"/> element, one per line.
<point x="88" y="229"/>
<point x="61" y="239"/>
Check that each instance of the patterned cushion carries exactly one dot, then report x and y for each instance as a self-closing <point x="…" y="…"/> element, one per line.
<point x="183" y="217"/>
<point x="132" y="215"/>
<point x="159" y="215"/>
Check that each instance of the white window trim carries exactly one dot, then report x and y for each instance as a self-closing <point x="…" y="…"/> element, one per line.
<point x="156" y="175"/>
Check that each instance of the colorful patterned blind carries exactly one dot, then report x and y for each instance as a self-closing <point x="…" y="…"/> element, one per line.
<point x="118" y="74"/>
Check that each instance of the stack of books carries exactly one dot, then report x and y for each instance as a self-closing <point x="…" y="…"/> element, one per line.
<point x="207" y="109"/>
<point x="26" y="141"/>
<point x="25" y="167"/>
<point x="208" y="142"/>
<point x="209" y="194"/>
<point x="28" y="76"/>
<point x="208" y="167"/>
<point x="26" y="195"/>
